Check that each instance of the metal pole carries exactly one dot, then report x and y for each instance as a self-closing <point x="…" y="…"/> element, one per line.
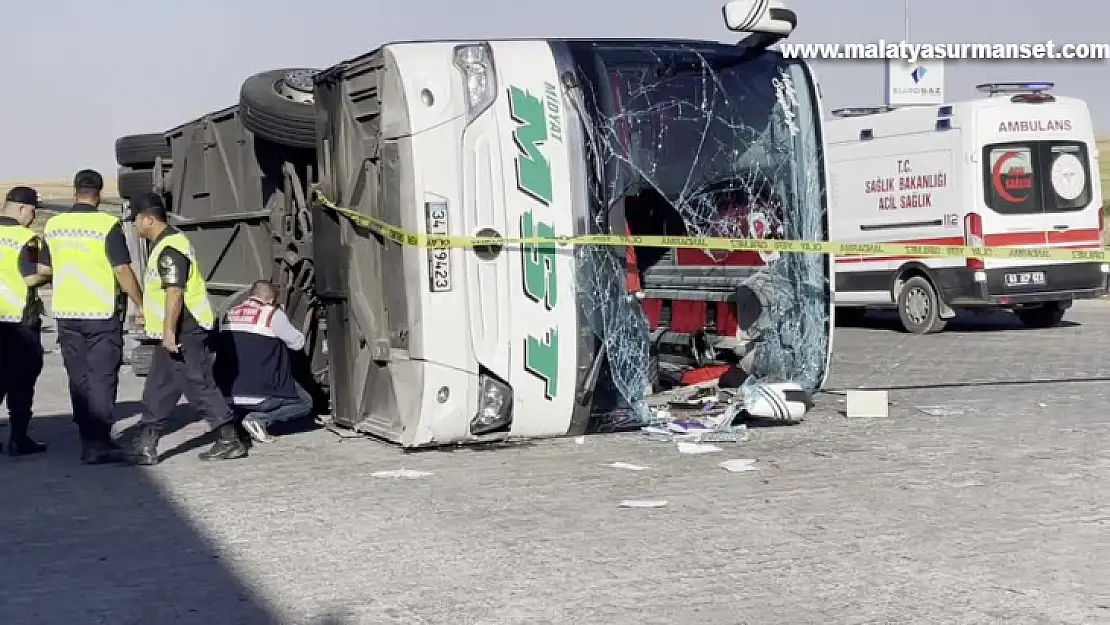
<point x="906" y="12"/>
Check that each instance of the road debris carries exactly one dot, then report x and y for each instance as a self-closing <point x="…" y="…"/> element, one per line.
<point x="697" y="448"/>
<point x="739" y="465"/>
<point x="643" y="503"/>
<point x="942" y="411"/>
<point x="401" y="473"/>
<point x="863" y="404"/>
<point x="715" y="410"/>
<point x="628" y="466"/>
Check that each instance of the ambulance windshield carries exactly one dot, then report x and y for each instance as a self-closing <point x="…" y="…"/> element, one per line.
<point x="715" y="134"/>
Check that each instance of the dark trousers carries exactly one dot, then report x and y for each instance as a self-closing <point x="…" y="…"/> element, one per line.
<point x="20" y="366"/>
<point x="278" y="409"/>
<point x="188" y="373"/>
<point x="92" y="351"/>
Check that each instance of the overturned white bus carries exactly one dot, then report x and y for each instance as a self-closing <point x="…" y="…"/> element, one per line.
<point x="524" y="138"/>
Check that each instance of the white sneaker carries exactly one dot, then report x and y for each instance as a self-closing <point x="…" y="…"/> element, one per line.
<point x="256" y="430"/>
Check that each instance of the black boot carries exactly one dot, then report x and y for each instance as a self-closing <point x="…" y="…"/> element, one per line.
<point x="145" y="449"/>
<point x="101" y="452"/>
<point x="229" y="447"/>
<point x="24" y="446"/>
<point x="19" y="444"/>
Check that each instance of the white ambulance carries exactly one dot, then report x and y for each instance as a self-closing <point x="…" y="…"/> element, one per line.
<point x="1016" y="168"/>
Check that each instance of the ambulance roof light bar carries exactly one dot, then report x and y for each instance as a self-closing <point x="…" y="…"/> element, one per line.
<point x="998" y="88"/>
<point x="861" y="111"/>
<point x="766" y="21"/>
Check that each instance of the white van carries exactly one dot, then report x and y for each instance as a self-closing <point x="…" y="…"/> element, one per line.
<point x="1017" y="168"/>
<point x="548" y="138"/>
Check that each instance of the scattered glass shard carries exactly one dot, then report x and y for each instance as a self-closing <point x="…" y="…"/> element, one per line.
<point x="696" y="448"/>
<point x="643" y="503"/>
<point x="401" y="473"/>
<point x="627" y="465"/>
<point x="739" y="465"/>
<point x="942" y="411"/>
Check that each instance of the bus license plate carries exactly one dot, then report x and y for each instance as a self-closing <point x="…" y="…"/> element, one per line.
<point x="439" y="258"/>
<point x="1025" y="278"/>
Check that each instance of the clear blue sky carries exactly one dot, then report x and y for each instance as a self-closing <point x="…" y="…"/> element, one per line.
<point x="80" y="72"/>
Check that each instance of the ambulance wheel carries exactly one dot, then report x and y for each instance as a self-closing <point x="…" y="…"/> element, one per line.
<point x="1044" y="316"/>
<point x="919" y="307"/>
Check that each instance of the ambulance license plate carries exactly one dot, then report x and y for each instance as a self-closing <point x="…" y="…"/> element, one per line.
<point x="1025" y="278"/>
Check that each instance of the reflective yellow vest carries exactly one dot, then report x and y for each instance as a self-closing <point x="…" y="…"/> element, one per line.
<point x="84" y="282"/>
<point x="15" y="295"/>
<point x="154" y="296"/>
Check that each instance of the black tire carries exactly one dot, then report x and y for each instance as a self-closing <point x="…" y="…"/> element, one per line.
<point x="919" y="307"/>
<point x="1044" y="316"/>
<point x="274" y="117"/>
<point x="141" y="150"/>
<point x="135" y="182"/>
<point x="141" y="356"/>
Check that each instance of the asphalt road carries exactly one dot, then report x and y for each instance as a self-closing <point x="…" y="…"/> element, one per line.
<point x="993" y="512"/>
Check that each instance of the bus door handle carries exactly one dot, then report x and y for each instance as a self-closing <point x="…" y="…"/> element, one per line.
<point x="1063" y="227"/>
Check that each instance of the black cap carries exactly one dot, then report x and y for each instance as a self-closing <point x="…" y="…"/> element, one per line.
<point x="24" y="195"/>
<point x="148" y="204"/>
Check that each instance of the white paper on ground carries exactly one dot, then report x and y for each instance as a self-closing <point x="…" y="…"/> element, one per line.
<point x="398" y="473"/>
<point x="739" y="465"/>
<point x="643" y="503"/>
<point x="627" y="465"/>
<point x="696" y="448"/>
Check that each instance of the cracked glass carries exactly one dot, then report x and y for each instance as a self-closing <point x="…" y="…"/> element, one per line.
<point x="698" y="140"/>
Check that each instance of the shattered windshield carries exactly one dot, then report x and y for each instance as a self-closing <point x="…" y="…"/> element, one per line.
<point x="703" y="140"/>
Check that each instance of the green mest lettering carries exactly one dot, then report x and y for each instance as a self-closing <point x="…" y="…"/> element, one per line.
<point x="534" y="178"/>
<point x="533" y="170"/>
<point x="539" y="262"/>
<point x="541" y="359"/>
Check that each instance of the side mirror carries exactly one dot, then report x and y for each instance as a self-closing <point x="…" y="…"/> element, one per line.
<point x="767" y="21"/>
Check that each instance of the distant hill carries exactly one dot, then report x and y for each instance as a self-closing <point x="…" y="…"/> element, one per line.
<point x="59" y="192"/>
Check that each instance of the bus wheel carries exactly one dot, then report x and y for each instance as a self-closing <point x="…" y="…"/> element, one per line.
<point x="1044" y="316"/>
<point x="919" y="307"/>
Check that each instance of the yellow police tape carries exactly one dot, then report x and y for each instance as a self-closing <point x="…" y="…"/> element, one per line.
<point x="415" y="239"/>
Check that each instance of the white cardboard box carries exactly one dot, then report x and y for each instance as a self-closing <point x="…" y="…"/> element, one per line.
<point x="868" y="404"/>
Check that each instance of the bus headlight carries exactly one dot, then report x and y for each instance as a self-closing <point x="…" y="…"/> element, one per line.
<point x="495" y="406"/>
<point x="475" y="61"/>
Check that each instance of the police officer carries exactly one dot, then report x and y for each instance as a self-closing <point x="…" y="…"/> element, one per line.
<point x="177" y="310"/>
<point x="20" y="325"/>
<point x="92" y="272"/>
